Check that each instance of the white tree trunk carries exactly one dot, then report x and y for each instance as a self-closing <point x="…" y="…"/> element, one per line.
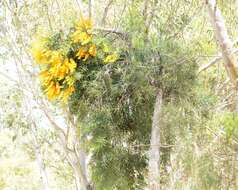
<point x="33" y="102"/>
<point x="42" y="169"/>
<point x="224" y="41"/>
<point x="154" y="152"/>
<point x="39" y="158"/>
<point x="81" y="180"/>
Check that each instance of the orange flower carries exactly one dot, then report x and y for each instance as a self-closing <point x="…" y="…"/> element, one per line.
<point x="82" y="53"/>
<point x="53" y="90"/>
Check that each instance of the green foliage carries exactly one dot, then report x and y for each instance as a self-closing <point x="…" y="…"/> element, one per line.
<point x="114" y="103"/>
<point x="116" y="107"/>
<point x="230" y="123"/>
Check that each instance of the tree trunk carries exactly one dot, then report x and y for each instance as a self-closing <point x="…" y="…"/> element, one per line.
<point x="41" y="166"/>
<point x="224" y="41"/>
<point x="81" y="180"/>
<point x="90" y="7"/>
<point x="39" y="159"/>
<point x="154" y="152"/>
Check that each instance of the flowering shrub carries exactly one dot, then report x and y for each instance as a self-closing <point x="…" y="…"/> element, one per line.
<point x="62" y="59"/>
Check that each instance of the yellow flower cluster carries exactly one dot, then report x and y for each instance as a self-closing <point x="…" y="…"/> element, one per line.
<point x="83" y="33"/>
<point x="83" y="36"/>
<point x="58" y="71"/>
<point x="111" y="58"/>
<point x="40" y="54"/>
<point x="57" y="74"/>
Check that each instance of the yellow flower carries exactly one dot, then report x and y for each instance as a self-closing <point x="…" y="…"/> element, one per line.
<point x="69" y="80"/>
<point x="53" y="90"/>
<point x="46" y="77"/>
<point x="92" y="50"/>
<point x="82" y="37"/>
<point x="84" y="25"/>
<point x="56" y="58"/>
<point x="39" y="51"/>
<point x="44" y="74"/>
<point x="70" y="64"/>
<point x="105" y="48"/>
<point x="39" y="56"/>
<point x="82" y="53"/>
<point x="111" y="58"/>
<point x="54" y="70"/>
<point x="66" y="93"/>
<point x="63" y="71"/>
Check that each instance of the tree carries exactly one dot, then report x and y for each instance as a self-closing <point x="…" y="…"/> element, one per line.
<point x="224" y="41"/>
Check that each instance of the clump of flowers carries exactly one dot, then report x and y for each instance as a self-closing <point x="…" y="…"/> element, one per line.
<point x="62" y="58"/>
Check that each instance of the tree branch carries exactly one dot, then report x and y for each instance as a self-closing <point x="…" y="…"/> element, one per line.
<point x="114" y="31"/>
<point x="103" y="21"/>
<point x="215" y="60"/>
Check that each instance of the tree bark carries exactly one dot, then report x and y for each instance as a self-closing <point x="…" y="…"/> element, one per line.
<point x="75" y="154"/>
<point x="39" y="158"/>
<point x="26" y="80"/>
<point x="81" y="180"/>
<point x="103" y="21"/>
<point x="90" y="7"/>
<point x="154" y="152"/>
<point x="41" y="166"/>
<point x="224" y="41"/>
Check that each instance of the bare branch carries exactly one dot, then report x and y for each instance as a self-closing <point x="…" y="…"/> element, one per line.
<point x="212" y="62"/>
<point x="103" y="21"/>
<point x="114" y="31"/>
<point x="56" y="126"/>
<point x="215" y="60"/>
<point x="90" y="5"/>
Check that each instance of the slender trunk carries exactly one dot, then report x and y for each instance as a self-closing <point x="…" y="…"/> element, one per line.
<point x="90" y="4"/>
<point x="103" y="21"/>
<point x="39" y="159"/>
<point x="83" y="164"/>
<point x="224" y="41"/>
<point x="77" y="182"/>
<point x="85" y="185"/>
<point x="154" y="152"/>
<point x="41" y="166"/>
<point x="81" y="180"/>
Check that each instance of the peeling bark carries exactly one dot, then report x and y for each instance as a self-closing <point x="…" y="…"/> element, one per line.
<point x="224" y="41"/>
<point x="154" y="152"/>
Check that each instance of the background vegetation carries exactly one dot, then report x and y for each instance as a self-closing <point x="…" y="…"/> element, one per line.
<point x="106" y="125"/>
